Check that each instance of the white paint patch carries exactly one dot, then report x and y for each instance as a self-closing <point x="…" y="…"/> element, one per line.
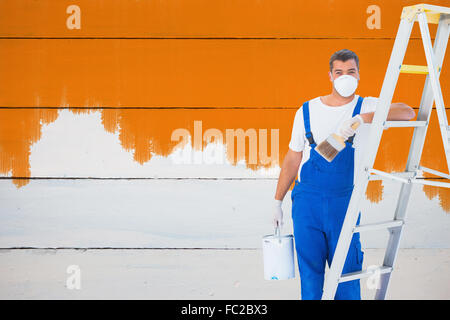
<point x="77" y="145"/>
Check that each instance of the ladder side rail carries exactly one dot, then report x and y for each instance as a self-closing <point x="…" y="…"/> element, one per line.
<point x="426" y="102"/>
<point x="376" y="130"/>
<point x="415" y="154"/>
<point x="433" y="67"/>
<point x="437" y="9"/>
<point x="394" y="239"/>
<point x="432" y="183"/>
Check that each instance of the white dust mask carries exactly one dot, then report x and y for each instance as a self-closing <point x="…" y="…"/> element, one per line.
<point x="345" y="85"/>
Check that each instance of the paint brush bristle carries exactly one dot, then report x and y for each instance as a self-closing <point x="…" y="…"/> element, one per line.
<point x="330" y="147"/>
<point x="334" y="144"/>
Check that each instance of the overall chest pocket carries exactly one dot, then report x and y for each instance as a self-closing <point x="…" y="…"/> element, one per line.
<point x="342" y="163"/>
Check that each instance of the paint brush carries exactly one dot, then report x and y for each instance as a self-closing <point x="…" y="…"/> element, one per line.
<point x="334" y="144"/>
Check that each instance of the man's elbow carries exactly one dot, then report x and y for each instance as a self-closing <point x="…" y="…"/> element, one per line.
<point x="404" y="112"/>
<point x="409" y="112"/>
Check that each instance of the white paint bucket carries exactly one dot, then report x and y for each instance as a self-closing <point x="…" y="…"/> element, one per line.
<point x="278" y="254"/>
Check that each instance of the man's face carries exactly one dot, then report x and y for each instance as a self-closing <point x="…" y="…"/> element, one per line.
<point x="340" y="68"/>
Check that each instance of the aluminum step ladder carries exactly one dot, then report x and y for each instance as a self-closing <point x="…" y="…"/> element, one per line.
<point x="424" y="14"/>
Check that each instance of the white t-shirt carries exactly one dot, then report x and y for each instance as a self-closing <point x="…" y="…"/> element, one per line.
<point x="325" y="120"/>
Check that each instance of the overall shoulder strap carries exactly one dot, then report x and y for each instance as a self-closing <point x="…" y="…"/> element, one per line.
<point x="357" y="109"/>
<point x="306" y="122"/>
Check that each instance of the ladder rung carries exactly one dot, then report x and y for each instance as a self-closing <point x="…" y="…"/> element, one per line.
<point x="434" y="8"/>
<point x="432" y="17"/>
<point x="408" y="68"/>
<point x="404" y="177"/>
<point x="364" y="273"/>
<point x="379" y="225"/>
<point x="432" y="12"/>
<point x="431" y="183"/>
<point x="401" y="124"/>
<point x="435" y="172"/>
<point x="409" y="178"/>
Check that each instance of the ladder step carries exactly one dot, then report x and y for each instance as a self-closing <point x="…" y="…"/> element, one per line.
<point x="379" y="225"/>
<point x="404" y="177"/>
<point x="431" y="183"/>
<point x="433" y="17"/>
<point x="409" y="68"/>
<point x="435" y="172"/>
<point x="364" y="273"/>
<point x="432" y="12"/>
<point x="401" y="124"/>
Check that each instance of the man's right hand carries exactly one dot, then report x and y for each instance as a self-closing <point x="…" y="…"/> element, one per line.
<point x="277" y="214"/>
<point x="346" y="130"/>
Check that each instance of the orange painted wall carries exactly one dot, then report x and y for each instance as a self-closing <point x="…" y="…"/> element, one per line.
<point x="149" y="66"/>
<point x="202" y="18"/>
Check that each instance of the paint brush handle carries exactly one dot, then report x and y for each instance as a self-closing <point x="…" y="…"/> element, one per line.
<point x="338" y="137"/>
<point x="355" y="125"/>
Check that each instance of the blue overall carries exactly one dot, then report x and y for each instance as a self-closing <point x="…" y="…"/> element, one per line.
<point x="319" y="204"/>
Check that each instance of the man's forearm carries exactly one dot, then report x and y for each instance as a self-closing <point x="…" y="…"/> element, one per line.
<point x="288" y="173"/>
<point x="397" y="111"/>
<point x="284" y="182"/>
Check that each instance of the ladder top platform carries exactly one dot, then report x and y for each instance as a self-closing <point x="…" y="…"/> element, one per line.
<point x="433" y="12"/>
<point x="422" y="7"/>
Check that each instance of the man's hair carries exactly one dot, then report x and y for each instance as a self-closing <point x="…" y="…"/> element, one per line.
<point x="343" y="55"/>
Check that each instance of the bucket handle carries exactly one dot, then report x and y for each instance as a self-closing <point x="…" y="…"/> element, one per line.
<point x="277" y="233"/>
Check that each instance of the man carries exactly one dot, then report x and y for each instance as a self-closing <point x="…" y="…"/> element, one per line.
<point x="323" y="189"/>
